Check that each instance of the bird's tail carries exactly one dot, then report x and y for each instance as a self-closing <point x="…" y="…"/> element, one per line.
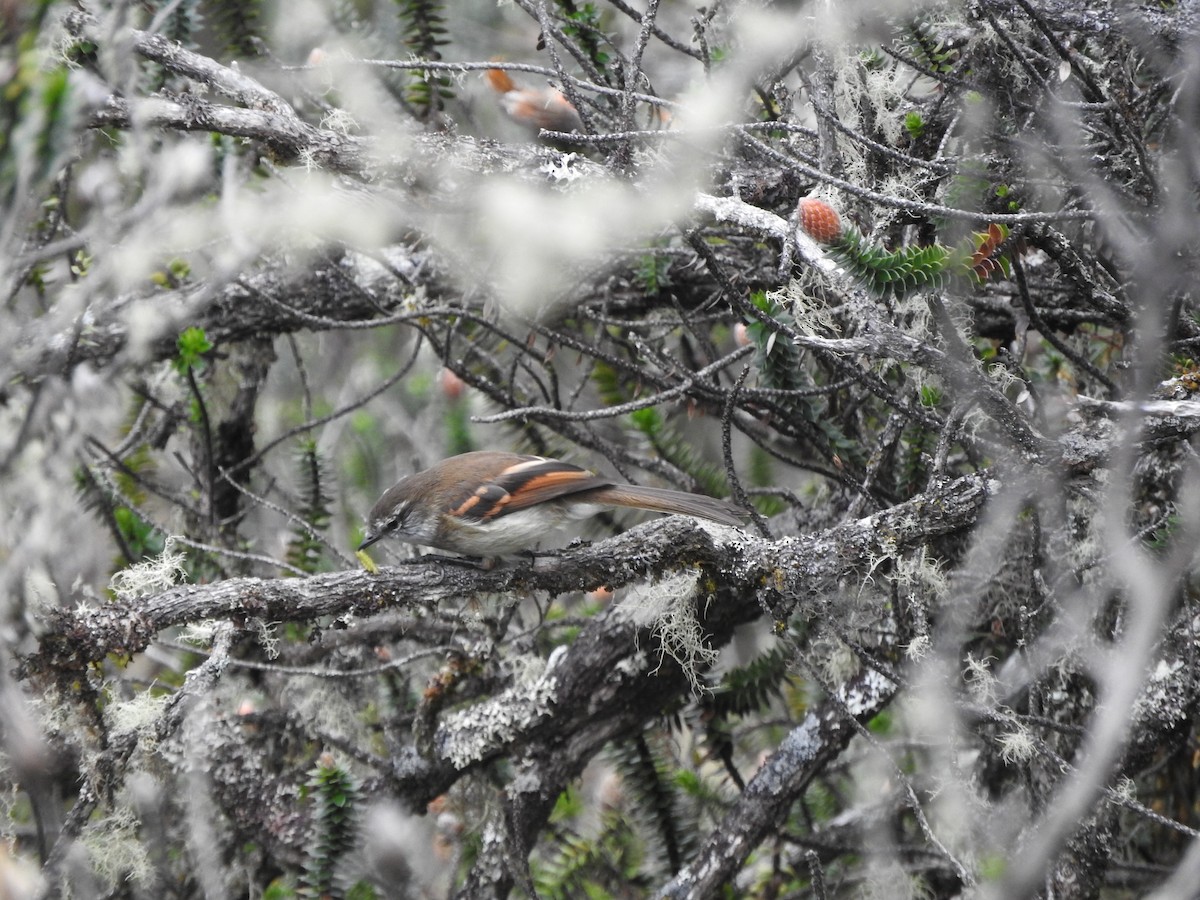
<point x="500" y="81"/>
<point x="667" y="501"/>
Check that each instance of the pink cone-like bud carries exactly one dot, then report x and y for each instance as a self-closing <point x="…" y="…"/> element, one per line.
<point x="819" y="220"/>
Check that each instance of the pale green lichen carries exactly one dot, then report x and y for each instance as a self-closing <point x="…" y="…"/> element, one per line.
<point x="116" y="851"/>
<point x="153" y="576"/>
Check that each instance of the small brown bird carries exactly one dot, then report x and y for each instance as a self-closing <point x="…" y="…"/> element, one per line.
<point x="489" y="503"/>
<point x="546" y="108"/>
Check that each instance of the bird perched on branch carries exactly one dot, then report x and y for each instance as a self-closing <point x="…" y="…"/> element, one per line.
<point x="544" y="108"/>
<point x="489" y="503"/>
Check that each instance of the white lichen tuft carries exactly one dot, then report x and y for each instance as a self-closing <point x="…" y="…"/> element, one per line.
<point x="669" y="608"/>
<point x="888" y="880"/>
<point x="268" y="637"/>
<point x="813" y="317"/>
<point x="339" y="120"/>
<point x="980" y="683"/>
<point x="632" y="665"/>
<point x="308" y="160"/>
<point x="836" y="659"/>
<point x="10" y="793"/>
<point x="856" y="89"/>
<point x="1125" y="789"/>
<point x="921" y="571"/>
<point x="918" y="648"/>
<point x="151" y="577"/>
<point x="1016" y="746"/>
<point x="199" y="634"/>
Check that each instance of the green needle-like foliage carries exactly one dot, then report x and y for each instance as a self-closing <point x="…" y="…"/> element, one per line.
<point x="336" y="797"/>
<point x="648" y="779"/>
<point x="37" y="108"/>
<point x="184" y="21"/>
<point x="894" y="272"/>
<point x="923" y="44"/>
<point x="606" y="865"/>
<point x="670" y="445"/>
<point x="583" y="24"/>
<point x="424" y="25"/>
<point x="237" y="22"/>
<point x="304" y="550"/>
<point x="781" y="366"/>
<point x="749" y="688"/>
<point x="778" y="360"/>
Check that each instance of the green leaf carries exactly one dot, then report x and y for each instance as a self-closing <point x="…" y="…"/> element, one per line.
<point x="192" y="344"/>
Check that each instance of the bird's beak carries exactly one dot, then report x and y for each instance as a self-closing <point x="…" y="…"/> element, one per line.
<point x="368" y="541"/>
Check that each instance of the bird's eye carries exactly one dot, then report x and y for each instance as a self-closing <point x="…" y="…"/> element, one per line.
<point x="398" y="518"/>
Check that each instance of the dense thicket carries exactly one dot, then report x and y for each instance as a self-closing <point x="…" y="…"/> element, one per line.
<point x="913" y="284"/>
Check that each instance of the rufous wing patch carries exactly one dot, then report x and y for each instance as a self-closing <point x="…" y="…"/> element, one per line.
<point x="538" y="481"/>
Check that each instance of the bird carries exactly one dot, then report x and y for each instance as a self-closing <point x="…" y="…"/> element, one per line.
<point x="544" y="108"/>
<point x="487" y="503"/>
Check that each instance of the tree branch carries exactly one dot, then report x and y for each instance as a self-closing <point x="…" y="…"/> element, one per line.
<point x="769" y="796"/>
<point x="775" y="575"/>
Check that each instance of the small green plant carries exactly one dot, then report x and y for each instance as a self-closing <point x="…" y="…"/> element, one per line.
<point x="237" y="22"/>
<point x="679" y="451"/>
<point x="653" y="272"/>
<point x="778" y="360"/>
<point x="116" y="504"/>
<point x="172" y="275"/>
<point x="583" y="24"/>
<point x="916" y="450"/>
<point x="648" y="775"/>
<point x="781" y="366"/>
<point x="891" y="271"/>
<point x="424" y="25"/>
<point x="762" y="475"/>
<point x="304" y="550"/>
<point x="663" y="437"/>
<point x="38" y="111"/>
<point x="749" y="688"/>
<point x="81" y="264"/>
<point x="606" y="865"/>
<point x="896" y="272"/>
<point x="928" y="48"/>
<point x="336" y="798"/>
<point x="182" y="23"/>
<point x="191" y="345"/>
<point x="914" y="124"/>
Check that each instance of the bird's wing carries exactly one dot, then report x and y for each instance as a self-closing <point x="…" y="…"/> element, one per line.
<point x="527" y="483"/>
